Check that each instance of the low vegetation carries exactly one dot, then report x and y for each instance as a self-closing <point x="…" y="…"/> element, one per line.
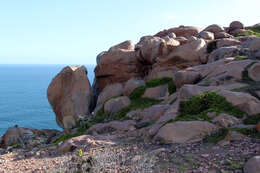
<point x="216" y="137"/>
<point x="250" y="132"/>
<point x="251" y="32"/>
<point x="137" y="102"/>
<point x="197" y="107"/>
<point x="252" y="119"/>
<point x="239" y="58"/>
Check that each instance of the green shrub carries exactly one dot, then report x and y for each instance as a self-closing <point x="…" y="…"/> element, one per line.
<point x="252" y="119"/>
<point x="137" y="93"/>
<point x="173" y="101"/>
<point x="251" y="32"/>
<point x="239" y="58"/>
<point x="140" y="103"/>
<point x="252" y="133"/>
<point x="66" y="137"/>
<point x="197" y="107"/>
<point x="157" y="82"/>
<point x="216" y="137"/>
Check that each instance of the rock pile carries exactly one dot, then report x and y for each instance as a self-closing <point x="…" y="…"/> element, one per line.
<point x="181" y="85"/>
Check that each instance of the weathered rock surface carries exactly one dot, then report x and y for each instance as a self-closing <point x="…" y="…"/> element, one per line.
<point x="112" y="126"/>
<point x="186" y="77"/>
<point x="252" y="165"/>
<point x="188" y="54"/>
<point x="181" y="31"/>
<point x="70" y="95"/>
<point x="116" y="104"/>
<point x="225" y="120"/>
<point x="110" y="91"/>
<point x="156" y="92"/>
<point x="81" y="142"/>
<point x="179" y="133"/>
<point x="254" y="72"/>
<point x="116" y="65"/>
<point x="235" y="25"/>
<point x="253" y="43"/>
<point x="13" y="135"/>
<point x="220" y="35"/>
<point x="206" y="35"/>
<point x="214" y="28"/>
<point x="244" y="101"/>
<point x="226" y="42"/>
<point x="132" y="84"/>
<point x="153" y="113"/>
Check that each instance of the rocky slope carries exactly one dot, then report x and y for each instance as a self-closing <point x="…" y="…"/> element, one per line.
<point x="184" y="100"/>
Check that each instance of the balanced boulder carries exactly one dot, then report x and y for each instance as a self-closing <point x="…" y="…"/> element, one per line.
<point x="70" y="95"/>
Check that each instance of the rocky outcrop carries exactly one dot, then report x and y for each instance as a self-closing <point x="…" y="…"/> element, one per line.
<point x="181" y="31"/>
<point x="189" y="54"/>
<point x="118" y="64"/>
<point x="70" y="95"/>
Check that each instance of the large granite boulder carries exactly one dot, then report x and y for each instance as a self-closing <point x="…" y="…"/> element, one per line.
<point x="181" y="31"/>
<point x="214" y="28"/>
<point x="188" y="54"/>
<point x="70" y="95"/>
<point x="206" y="35"/>
<point x="150" y="48"/>
<point x="235" y="25"/>
<point x="117" y="65"/>
<point x="184" y="131"/>
<point x="13" y="135"/>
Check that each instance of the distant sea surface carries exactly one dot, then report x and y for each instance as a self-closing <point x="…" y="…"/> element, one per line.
<point x="23" y="95"/>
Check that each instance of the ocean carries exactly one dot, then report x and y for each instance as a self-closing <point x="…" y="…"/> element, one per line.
<point x="23" y="95"/>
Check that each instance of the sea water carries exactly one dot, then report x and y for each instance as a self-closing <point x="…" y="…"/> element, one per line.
<point x="23" y="95"/>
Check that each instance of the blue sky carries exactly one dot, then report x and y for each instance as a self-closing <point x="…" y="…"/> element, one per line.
<point x="75" y="31"/>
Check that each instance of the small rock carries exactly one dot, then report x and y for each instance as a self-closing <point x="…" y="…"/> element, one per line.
<point x="252" y="165"/>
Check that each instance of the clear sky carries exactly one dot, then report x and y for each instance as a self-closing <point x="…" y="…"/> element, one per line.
<point x="75" y="31"/>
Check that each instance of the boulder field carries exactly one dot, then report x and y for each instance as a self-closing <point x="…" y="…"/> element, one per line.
<point x="181" y="86"/>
